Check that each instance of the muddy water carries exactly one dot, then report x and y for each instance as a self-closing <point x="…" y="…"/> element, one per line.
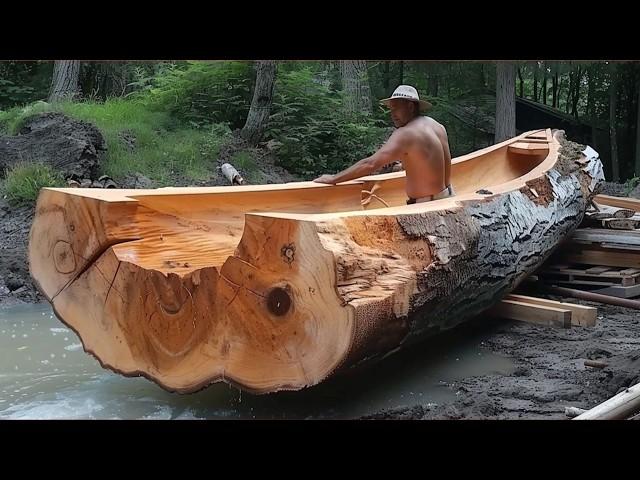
<point x="45" y="374"/>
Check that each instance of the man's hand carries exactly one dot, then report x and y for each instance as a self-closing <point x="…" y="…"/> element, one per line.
<point x="325" y="179"/>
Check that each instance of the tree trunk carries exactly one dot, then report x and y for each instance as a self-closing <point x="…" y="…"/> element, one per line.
<point x="613" y="100"/>
<point x="535" y="83"/>
<point x="355" y="85"/>
<point x="521" y="83"/>
<point x="104" y="79"/>
<point x="386" y="78"/>
<point x="590" y="93"/>
<point x="252" y="286"/>
<point x="401" y="73"/>
<point x="479" y="72"/>
<point x="64" y="83"/>
<point x="544" y="86"/>
<point x="433" y="80"/>
<point x="576" y="92"/>
<point x="554" y="85"/>
<point x="505" y="101"/>
<point x="637" y="166"/>
<point x="261" y="103"/>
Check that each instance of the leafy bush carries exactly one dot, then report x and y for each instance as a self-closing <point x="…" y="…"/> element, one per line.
<point x="312" y="133"/>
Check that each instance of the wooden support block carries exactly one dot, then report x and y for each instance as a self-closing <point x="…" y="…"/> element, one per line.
<point x="581" y="315"/>
<point x="529" y="312"/>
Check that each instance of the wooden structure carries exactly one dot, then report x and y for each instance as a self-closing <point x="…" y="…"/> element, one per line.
<point x="278" y="287"/>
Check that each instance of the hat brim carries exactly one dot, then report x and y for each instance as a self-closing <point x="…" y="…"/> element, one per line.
<point x="424" y="105"/>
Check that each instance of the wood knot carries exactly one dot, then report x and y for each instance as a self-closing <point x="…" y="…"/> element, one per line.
<point x="63" y="257"/>
<point x="278" y="301"/>
<point x="288" y="253"/>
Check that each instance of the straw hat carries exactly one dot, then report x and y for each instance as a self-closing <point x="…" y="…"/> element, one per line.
<point x="407" y="92"/>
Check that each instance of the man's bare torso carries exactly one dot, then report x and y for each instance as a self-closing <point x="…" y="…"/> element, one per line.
<point x="427" y="160"/>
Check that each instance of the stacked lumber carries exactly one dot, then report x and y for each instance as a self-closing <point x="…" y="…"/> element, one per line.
<point x="603" y="255"/>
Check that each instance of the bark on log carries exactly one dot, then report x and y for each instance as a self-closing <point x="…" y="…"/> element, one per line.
<point x="188" y="286"/>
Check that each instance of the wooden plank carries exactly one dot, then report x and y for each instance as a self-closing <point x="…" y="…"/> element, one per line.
<point x="528" y="312"/>
<point x="621" y="223"/>
<point x="581" y="315"/>
<point x="534" y="140"/>
<point x="628" y="271"/>
<point x="618" y="291"/>
<point x="620" y="246"/>
<point x="621" y="202"/>
<point x="587" y="283"/>
<point x="538" y="135"/>
<point x="623" y="405"/>
<point x="607" y="211"/>
<point x="578" y="272"/>
<point x="527" y="148"/>
<point x="603" y="235"/>
<point x="599" y="269"/>
<point x="603" y="257"/>
<point x="605" y="289"/>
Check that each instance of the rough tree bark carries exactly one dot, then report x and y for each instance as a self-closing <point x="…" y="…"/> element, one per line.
<point x="637" y="151"/>
<point x="64" y="83"/>
<point x="261" y="102"/>
<point x="613" y="108"/>
<point x="355" y="85"/>
<point x="505" y="101"/>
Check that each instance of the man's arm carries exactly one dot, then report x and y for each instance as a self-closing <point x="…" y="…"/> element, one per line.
<point x="390" y="151"/>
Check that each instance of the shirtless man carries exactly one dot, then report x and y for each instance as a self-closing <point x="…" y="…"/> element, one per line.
<point x="419" y="142"/>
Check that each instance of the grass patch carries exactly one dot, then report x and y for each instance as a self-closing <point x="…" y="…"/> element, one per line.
<point x="24" y="181"/>
<point x="162" y="149"/>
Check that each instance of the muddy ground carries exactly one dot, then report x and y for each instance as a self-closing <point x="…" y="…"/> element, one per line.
<point x="550" y="373"/>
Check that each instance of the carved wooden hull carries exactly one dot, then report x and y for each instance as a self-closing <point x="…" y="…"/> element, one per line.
<point x="278" y="287"/>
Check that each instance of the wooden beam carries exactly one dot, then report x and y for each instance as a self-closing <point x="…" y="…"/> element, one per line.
<point x="621" y="202"/>
<point x="603" y="235"/>
<point x="619" y="291"/>
<point x="529" y="312"/>
<point x="581" y="315"/>
<point x="623" y="405"/>
<point x="621" y="223"/>
<point x="607" y="211"/>
<point x="611" y="258"/>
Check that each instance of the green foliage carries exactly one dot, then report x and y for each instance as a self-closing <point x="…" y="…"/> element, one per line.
<point x="202" y="93"/>
<point x="12" y="120"/>
<point x="247" y="166"/>
<point x="23" y="82"/>
<point x="312" y="134"/>
<point x="204" y="101"/>
<point x="24" y="181"/>
<point x="631" y="184"/>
